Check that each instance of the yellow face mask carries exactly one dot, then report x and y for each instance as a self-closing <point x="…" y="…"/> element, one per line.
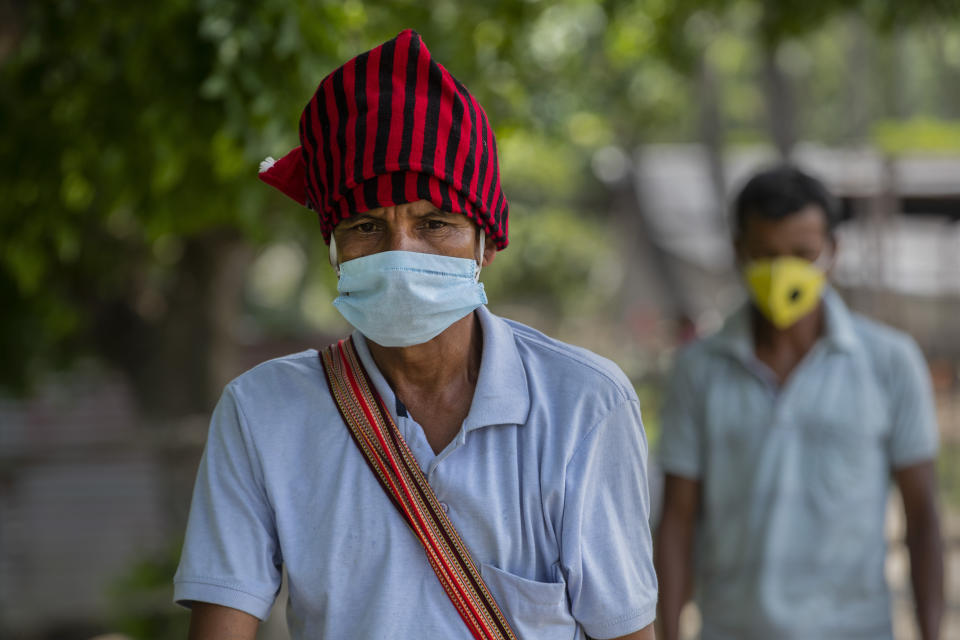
<point x="784" y="289"/>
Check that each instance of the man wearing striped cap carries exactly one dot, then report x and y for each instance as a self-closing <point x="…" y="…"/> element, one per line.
<point x="443" y="472"/>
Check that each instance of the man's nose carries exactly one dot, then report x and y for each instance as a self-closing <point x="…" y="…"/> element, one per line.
<point x="401" y="240"/>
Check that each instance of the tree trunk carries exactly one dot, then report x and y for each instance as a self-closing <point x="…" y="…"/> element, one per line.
<point x="176" y="346"/>
<point x="781" y="105"/>
<point x="894" y="89"/>
<point x="857" y="88"/>
<point x="711" y="135"/>
<point x="10" y="27"/>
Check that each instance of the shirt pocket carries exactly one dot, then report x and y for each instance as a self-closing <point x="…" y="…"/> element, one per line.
<point x="533" y="609"/>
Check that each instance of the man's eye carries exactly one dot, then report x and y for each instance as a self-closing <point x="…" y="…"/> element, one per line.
<point x="436" y="224"/>
<point x="365" y="227"/>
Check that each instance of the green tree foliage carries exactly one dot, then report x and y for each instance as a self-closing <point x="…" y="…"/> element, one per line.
<point x="140" y="600"/>
<point x="680" y="25"/>
<point x="130" y="134"/>
<point x="919" y="134"/>
<point x="690" y="33"/>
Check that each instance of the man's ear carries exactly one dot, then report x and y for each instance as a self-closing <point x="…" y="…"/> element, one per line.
<point x="333" y="255"/>
<point x="738" y="255"/>
<point x="489" y="251"/>
<point x="834" y="245"/>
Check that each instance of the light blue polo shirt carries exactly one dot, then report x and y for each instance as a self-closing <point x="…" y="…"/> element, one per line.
<point x="794" y="479"/>
<point x="546" y="483"/>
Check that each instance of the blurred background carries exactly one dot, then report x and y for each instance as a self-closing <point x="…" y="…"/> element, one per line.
<point x="143" y="265"/>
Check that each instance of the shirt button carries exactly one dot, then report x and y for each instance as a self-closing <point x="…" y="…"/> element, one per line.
<point x="446" y="509"/>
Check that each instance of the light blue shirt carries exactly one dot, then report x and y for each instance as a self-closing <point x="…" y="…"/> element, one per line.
<point x="794" y="479"/>
<point x="546" y="483"/>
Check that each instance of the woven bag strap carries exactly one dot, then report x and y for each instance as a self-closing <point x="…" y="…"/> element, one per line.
<point x="395" y="467"/>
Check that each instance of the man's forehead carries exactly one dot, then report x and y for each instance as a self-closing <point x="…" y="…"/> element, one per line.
<point x="810" y="219"/>
<point x="805" y="231"/>
<point x="416" y="209"/>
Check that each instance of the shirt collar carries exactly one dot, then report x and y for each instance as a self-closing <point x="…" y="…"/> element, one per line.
<point x="501" y="395"/>
<point x="736" y="336"/>
<point x="840" y="331"/>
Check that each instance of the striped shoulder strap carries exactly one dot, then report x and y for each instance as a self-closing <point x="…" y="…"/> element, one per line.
<point x="387" y="453"/>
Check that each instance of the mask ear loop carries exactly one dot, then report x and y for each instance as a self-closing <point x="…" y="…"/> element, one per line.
<point x="481" y="244"/>
<point x="333" y="254"/>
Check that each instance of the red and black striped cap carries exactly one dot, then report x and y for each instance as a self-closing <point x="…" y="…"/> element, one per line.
<point x="393" y="126"/>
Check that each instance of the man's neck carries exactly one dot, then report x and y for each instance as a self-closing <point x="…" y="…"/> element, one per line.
<point x="453" y="357"/>
<point x="436" y="379"/>
<point x="783" y="349"/>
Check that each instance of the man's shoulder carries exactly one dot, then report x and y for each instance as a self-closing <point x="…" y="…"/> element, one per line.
<point x="279" y="375"/>
<point x="874" y="333"/>
<point x="561" y="362"/>
<point x="697" y="355"/>
<point x="889" y="348"/>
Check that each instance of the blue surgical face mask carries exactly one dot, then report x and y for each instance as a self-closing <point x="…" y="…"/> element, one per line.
<point x="403" y="298"/>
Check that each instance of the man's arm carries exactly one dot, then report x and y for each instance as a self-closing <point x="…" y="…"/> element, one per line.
<point x="918" y="487"/>
<point x="673" y="551"/>
<point x="215" y="622"/>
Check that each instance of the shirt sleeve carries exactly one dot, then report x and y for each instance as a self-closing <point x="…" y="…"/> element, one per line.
<point x="230" y="554"/>
<point x="680" y="428"/>
<point x="606" y="549"/>
<point x="914" y="435"/>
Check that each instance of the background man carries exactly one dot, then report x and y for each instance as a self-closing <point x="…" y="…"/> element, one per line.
<point x="780" y="434"/>
<point x="534" y="448"/>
